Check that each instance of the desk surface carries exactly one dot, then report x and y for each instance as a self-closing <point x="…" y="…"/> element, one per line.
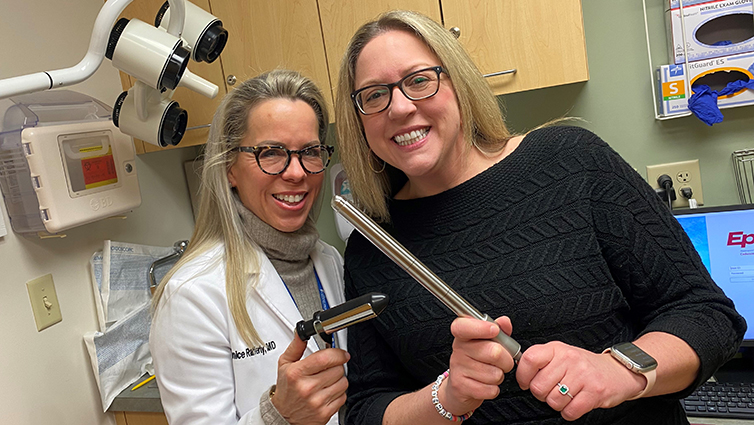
<point x="144" y="399"/>
<point x="147" y="399"/>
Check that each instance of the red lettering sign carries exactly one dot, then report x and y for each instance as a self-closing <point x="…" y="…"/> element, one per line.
<point x="740" y="239"/>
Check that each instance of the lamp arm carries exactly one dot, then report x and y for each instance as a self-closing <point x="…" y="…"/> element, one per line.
<point x="106" y="18"/>
<point x="46" y="80"/>
<point x="177" y="17"/>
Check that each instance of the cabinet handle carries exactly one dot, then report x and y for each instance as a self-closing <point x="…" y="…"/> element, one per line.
<point x="456" y="32"/>
<point x="495" y="74"/>
<point x="231" y="80"/>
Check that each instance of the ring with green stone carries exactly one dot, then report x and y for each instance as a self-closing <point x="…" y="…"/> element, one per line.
<point x="563" y="389"/>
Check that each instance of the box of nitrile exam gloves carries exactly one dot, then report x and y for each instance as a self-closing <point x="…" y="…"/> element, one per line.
<point x="713" y="28"/>
<point x="673" y="99"/>
<point x="715" y="73"/>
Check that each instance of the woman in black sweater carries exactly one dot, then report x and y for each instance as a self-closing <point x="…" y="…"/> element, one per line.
<point x="551" y="232"/>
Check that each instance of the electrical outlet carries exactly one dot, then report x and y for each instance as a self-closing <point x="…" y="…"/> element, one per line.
<point x="684" y="174"/>
<point x="44" y="301"/>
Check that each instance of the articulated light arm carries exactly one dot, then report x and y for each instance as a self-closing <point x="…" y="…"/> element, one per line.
<point x="106" y="18"/>
<point x="177" y="17"/>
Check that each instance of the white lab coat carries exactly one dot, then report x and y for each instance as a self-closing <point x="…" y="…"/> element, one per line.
<point x="205" y="372"/>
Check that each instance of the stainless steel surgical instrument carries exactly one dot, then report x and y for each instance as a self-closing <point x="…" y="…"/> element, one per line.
<point x="408" y="262"/>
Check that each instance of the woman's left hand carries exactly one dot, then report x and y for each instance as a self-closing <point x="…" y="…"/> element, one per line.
<point x="592" y="380"/>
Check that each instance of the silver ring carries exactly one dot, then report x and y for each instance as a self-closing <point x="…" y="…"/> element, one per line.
<point x="563" y="389"/>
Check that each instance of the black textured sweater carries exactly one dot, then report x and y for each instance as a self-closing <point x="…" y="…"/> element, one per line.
<point x="566" y="239"/>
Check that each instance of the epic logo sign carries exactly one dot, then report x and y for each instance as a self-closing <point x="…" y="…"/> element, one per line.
<point x="740" y="238"/>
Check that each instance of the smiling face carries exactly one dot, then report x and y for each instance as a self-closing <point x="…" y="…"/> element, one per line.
<point x="283" y="201"/>
<point x="422" y="138"/>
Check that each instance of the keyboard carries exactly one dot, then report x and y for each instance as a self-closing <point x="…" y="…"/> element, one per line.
<point x="722" y="400"/>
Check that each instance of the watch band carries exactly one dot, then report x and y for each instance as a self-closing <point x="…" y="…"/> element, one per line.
<point x="651" y="376"/>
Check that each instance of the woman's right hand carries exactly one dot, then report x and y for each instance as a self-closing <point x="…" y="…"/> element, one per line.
<point x="477" y="365"/>
<point x="310" y="390"/>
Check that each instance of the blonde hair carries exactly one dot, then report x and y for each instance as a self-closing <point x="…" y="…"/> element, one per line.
<point x="483" y="124"/>
<point x="218" y="221"/>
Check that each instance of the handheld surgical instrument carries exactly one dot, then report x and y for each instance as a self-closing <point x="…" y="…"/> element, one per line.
<point x="325" y="323"/>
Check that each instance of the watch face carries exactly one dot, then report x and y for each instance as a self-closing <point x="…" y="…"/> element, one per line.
<point x="634" y="357"/>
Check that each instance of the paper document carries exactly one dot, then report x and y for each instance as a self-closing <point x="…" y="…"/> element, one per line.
<point x="95" y="269"/>
<point x="125" y="270"/>
<point x="119" y="351"/>
<point x="121" y="354"/>
<point x="3" y="229"/>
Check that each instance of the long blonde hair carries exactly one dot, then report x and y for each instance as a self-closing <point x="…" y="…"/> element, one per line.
<point x="483" y="124"/>
<point x="218" y="220"/>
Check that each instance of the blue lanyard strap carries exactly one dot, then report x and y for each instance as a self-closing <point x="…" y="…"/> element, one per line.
<point x="323" y="299"/>
<point x="322" y="296"/>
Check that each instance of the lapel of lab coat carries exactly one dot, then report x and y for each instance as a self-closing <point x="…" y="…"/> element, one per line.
<point x="273" y="292"/>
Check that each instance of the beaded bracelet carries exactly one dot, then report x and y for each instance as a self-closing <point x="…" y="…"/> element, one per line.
<point x="436" y="401"/>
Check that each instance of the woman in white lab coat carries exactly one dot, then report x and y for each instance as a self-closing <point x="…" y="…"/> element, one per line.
<point x="222" y="336"/>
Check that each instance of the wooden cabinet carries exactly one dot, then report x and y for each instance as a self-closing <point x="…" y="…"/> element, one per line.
<point x="341" y="19"/>
<point x="542" y="39"/>
<point x="264" y="35"/>
<point x="140" y="418"/>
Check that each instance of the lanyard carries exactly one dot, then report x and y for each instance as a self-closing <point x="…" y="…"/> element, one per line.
<point x="322" y="297"/>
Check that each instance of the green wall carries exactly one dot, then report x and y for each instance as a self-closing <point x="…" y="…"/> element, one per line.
<point x="616" y="102"/>
<point x="326" y="221"/>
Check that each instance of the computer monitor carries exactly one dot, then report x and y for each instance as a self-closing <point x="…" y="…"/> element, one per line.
<point x="724" y="239"/>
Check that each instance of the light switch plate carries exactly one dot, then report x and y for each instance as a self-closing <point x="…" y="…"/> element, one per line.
<point x="44" y="301"/>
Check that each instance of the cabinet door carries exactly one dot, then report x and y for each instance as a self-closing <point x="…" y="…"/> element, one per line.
<point x="140" y="418"/>
<point x="542" y="39"/>
<point x="266" y="34"/>
<point x="341" y="19"/>
<point x="200" y="108"/>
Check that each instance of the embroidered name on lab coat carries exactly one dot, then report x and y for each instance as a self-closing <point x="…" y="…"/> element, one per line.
<point x="251" y="352"/>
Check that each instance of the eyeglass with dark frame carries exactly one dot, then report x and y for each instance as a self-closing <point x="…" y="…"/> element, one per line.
<point x="417" y="85"/>
<point x="274" y="160"/>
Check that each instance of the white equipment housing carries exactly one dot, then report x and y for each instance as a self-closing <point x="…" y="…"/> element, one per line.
<point x="63" y="163"/>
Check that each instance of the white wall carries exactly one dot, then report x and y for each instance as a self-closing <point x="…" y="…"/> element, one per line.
<point x="46" y="376"/>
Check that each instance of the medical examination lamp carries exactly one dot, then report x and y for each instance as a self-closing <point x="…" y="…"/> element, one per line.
<point x="156" y="57"/>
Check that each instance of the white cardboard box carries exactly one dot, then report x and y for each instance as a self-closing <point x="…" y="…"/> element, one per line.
<point x="673" y="93"/>
<point x="707" y="23"/>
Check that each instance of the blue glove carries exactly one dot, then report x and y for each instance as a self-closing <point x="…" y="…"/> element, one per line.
<point x="703" y="103"/>
<point x="735" y="86"/>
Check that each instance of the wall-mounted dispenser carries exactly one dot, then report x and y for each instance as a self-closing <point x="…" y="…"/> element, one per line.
<point x="63" y="163"/>
<point x="713" y="28"/>
<point x="715" y="73"/>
